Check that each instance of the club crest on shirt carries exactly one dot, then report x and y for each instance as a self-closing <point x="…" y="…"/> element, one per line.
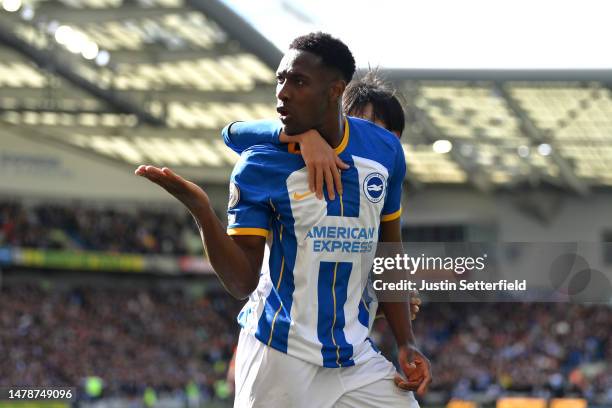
<point x="374" y="187"/>
<point x="234" y="195"/>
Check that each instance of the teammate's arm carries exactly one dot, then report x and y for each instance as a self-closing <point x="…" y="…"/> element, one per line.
<point x="413" y="363"/>
<point x="320" y="159"/>
<point x="236" y="260"/>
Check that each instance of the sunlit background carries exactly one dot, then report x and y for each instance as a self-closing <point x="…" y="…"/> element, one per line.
<point x="470" y="34"/>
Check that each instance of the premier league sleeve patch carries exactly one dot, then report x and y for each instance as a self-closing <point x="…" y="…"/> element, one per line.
<point x="234" y="195"/>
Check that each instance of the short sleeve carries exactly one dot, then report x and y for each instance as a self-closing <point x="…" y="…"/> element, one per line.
<point x="239" y="136"/>
<point x="249" y="211"/>
<point x="392" y="209"/>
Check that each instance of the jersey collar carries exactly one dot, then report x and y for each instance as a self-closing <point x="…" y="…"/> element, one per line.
<point x="345" y="138"/>
<point x="292" y="147"/>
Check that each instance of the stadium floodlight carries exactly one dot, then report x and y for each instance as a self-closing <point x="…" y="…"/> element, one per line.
<point x="11" y="5"/>
<point x="442" y="146"/>
<point x="62" y="34"/>
<point x="76" y="42"/>
<point x="544" y="149"/>
<point x="27" y="13"/>
<point x="431" y="167"/>
<point x="103" y="58"/>
<point x="90" y="51"/>
<point x="523" y="151"/>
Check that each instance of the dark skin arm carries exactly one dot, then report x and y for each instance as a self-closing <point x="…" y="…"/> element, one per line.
<point x="321" y="162"/>
<point x="236" y="259"/>
<point x="412" y="362"/>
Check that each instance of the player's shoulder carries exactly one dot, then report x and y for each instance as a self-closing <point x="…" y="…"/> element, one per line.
<point x="261" y="155"/>
<point x="268" y="154"/>
<point x="265" y="164"/>
<point x="260" y="126"/>
<point x="260" y="151"/>
<point x="375" y="135"/>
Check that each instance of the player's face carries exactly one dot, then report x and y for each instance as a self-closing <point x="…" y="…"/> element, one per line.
<point x="302" y="91"/>
<point x="368" y="114"/>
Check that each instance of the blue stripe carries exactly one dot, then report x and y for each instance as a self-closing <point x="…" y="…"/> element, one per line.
<point x="364" y="315"/>
<point x="351" y="195"/>
<point x="336" y="351"/>
<point x="273" y="301"/>
<point x="278" y="303"/>
<point x="333" y="207"/>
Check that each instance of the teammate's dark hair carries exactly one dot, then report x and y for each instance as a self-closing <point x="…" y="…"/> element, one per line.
<point x="333" y="52"/>
<point x="385" y="104"/>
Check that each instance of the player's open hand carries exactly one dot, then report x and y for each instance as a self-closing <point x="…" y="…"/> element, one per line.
<point x="183" y="190"/>
<point x="322" y="162"/>
<point x="416" y="368"/>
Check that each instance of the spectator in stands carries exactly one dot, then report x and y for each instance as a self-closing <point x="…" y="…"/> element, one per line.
<point x="134" y="338"/>
<point x="80" y="228"/>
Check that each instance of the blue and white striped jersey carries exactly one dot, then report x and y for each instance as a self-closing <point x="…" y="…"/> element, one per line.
<point x="310" y="299"/>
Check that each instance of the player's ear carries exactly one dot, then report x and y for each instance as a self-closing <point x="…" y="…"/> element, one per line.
<point x="337" y="89"/>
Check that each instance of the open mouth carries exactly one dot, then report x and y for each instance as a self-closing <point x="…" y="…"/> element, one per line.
<point x="283" y="112"/>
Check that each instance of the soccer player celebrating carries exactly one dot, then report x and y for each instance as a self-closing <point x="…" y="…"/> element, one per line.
<point x="368" y="98"/>
<point x="302" y="342"/>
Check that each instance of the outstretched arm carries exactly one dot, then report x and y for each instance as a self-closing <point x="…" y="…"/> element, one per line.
<point x="236" y="260"/>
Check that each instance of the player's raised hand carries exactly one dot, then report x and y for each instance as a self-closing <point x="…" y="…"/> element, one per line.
<point x="321" y="161"/>
<point x="417" y="369"/>
<point x="183" y="190"/>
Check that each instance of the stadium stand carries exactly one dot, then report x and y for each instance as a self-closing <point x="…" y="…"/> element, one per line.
<point x="130" y="338"/>
<point x="61" y="330"/>
<point x="57" y="226"/>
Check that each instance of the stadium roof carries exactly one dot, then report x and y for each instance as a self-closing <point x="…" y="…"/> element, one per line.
<point x="153" y="81"/>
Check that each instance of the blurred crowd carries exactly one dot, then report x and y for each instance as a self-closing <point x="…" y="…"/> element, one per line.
<point x="165" y="340"/>
<point x="543" y="349"/>
<point x="131" y="339"/>
<point x="52" y="226"/>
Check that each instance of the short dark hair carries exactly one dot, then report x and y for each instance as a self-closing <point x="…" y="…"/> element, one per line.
<point x="333" y="52"/>
<point x="385" y="105"/>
